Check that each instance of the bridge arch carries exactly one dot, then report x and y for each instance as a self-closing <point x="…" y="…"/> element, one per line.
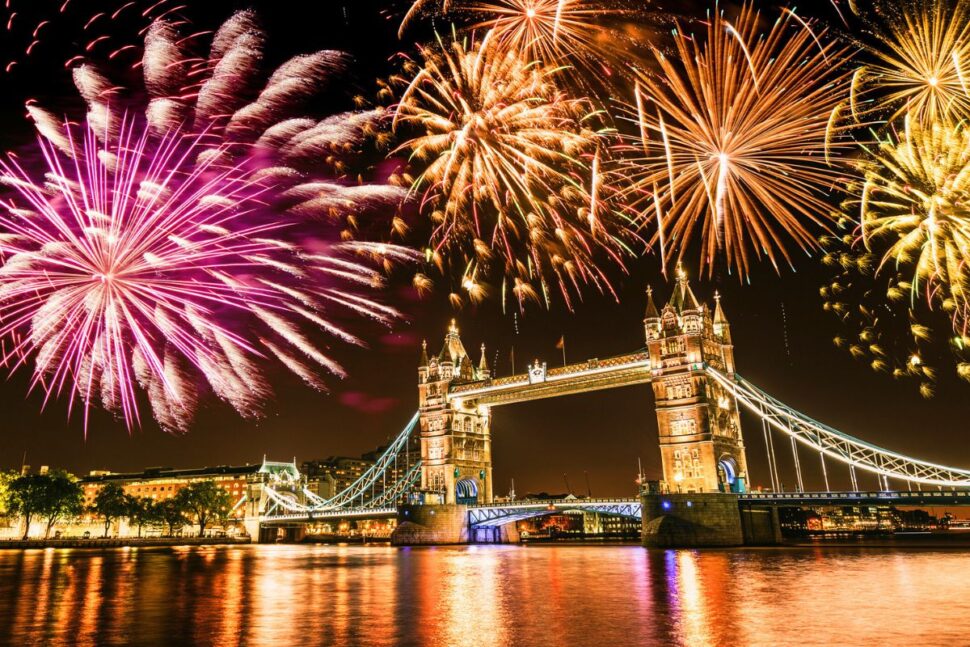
<point x="728" y="473"/>
<point x="466" y="491"/>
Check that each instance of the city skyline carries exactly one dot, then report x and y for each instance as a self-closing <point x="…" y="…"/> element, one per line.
<point x="524" y="429"/>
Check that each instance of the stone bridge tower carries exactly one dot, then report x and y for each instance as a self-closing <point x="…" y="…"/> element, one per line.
<point x="700" y="429"/>
<point x="456" y="441"/>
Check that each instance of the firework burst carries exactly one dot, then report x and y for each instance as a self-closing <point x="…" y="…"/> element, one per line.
<point x="508" y="171"/>
<point x="37" y="28"/>
<point x="735" y="137"/>
<point x="907" y="262"/>
<point x="921" y="54"/>
<point x="190" y="247"/>
<point x="915" y="206"/>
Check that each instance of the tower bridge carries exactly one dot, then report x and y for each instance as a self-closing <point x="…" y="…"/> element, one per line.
<point x="436" y="476"/>
<point x="701" y="443"/>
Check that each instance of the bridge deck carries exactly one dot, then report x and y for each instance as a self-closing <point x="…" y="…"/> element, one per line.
<point x="930" y="497"/>
<point x="324" y="515"/>
<point x="490" y="515"/>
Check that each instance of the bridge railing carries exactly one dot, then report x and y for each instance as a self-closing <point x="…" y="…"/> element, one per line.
<point x="838" y="445"/>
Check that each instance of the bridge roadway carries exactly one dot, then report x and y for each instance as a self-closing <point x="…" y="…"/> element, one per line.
<point x="499" y="514"/>
<point x="493" y="515"/>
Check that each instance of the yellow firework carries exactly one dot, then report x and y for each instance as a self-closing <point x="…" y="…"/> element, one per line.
<point x="736" y="133"/>
<point x="507" y="167"/>
<point x="922" y="53"/>
<point x="900" y="287"/>
<point x="914" y="208"/>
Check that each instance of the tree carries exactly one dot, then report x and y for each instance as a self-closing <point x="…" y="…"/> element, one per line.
<point x="205" y="501"/>
<point x="172" y="513"/>
<point x="51" y="496"/>
<point x="24" y="497"/>
<point x="6" y="479"/>
<point x="63" y="497"/>
<point x="143" y="511"/>
<point x="110" y="503"/>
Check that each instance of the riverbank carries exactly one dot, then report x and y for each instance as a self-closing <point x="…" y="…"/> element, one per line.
<point x="120" y="542"/>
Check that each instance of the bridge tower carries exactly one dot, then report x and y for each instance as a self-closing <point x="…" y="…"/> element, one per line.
<point x="456" y="441"/>
<point x="701" y="446"/>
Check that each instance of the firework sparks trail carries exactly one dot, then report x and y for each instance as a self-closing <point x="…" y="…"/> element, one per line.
<point x="505" y="161"/>
<point x="921" y="52"/>
<point x="745" y="125"/>
<point x="34" y="27"/>
<point x="189" y="247"/>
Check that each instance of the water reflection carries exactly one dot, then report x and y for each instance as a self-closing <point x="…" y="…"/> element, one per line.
<point x="502" y="595"/>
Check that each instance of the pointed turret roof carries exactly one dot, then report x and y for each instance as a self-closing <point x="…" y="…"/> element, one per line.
<point x="483" y="362"/>
<point x="453" y="350"/>
<point x="652" y="312"/>
<point x="683" y="297"/>
<point x="424" y="352"/>
<point x="719" y="317"/>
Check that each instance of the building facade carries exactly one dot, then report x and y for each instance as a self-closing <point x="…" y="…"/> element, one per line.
<point x="242" y="482"/>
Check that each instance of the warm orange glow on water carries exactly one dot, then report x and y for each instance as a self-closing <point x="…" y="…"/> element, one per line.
<point x="496" y="595"/>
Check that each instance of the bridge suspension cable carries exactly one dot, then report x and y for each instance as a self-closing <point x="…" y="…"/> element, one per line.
<point x="835" y="444"/>
<point x="363" y="493"/>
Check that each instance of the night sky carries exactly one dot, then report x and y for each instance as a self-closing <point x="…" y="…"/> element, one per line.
<point x="782" y="337"/>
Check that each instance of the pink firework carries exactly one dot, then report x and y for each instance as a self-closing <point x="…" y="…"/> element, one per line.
<point x="135" y="267"/>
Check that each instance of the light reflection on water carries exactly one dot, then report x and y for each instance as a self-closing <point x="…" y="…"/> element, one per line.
<point x="483" y="596"/>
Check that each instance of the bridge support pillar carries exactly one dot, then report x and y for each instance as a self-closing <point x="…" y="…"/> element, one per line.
<point x="507" y="534"/>
<point x="761" y="525"/>
<point x="431" y="525"/>
<point x="253" y="527"/>
<point x="691" y="520"/>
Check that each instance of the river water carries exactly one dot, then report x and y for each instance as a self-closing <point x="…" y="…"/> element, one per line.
<point x="484" y="596"/>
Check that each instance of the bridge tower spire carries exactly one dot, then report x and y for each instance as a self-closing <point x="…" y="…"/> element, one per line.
<point x="701" y="445"/>
<point x="456" y="442"/>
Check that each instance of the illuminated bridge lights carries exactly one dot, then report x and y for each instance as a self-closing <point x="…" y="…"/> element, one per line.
<point x="489" y="516"/>
<point x="289" y="502"/>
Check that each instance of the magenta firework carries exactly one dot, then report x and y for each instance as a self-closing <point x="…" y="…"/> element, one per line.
<point x="146" y="256"/>
<point x="130" y="267"/>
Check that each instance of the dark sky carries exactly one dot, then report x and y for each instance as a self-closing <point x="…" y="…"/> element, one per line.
<point x="782" y="337"/>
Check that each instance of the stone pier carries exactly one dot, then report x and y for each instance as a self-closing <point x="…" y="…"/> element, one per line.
<point x="691" y="520"/>
<point x="708" y="519"/>
<point x="431" y="525"/>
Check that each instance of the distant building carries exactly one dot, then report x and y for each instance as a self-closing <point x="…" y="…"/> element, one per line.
<point x="328" y="477"/>
<point x="159" y="483"/>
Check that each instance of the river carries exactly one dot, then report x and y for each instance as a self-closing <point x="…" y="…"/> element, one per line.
<point x="474" y="596"/>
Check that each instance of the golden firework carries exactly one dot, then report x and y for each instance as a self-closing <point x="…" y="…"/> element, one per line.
<point x="507" y="170"/>
<point x="736" y="135"/>
<point x="900" y="286"/>
<point x="922" y="52"/>
<point x="914" y="208"/>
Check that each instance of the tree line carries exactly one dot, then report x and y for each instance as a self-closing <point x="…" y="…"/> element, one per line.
<point x="58" y="496"/>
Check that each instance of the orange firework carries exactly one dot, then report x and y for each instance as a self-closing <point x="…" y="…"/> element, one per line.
<point x="736" y="139"/>
<point x="508" y="170"/>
